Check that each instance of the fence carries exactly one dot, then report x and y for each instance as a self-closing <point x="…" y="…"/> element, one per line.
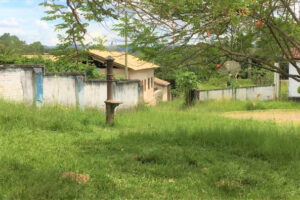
<point x="30" y="84"/>
<point x="262" y="93"/>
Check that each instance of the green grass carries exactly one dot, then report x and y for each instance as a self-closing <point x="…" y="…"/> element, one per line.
<point x="221" y="83"/>
<point x="284" y="89"/>
<point x="165" y="152"/>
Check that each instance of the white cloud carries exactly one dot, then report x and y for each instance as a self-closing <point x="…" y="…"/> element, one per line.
<point x="26" y="23"/>
<point x="9" y="22"/>
<point x="104" y="30"/>
<point x="42" y="24"/>
<point x="31" y="31"/>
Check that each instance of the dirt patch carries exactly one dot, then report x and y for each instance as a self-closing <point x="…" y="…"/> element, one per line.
<point x="281" y="116"/>
<point x="79" y="178"/>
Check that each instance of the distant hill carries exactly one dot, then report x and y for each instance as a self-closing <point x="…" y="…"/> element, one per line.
<point x="50" y="47"/>
<point x="110" y="48"/>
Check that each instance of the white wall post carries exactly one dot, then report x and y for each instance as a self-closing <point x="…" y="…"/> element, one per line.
<point x="277" y="82"/>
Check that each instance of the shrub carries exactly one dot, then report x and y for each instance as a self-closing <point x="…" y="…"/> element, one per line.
<point x="60" y="65"/>
<point x="298" y="90"/>
<point x="186" y="82"/>
<point x="261" y="76"/>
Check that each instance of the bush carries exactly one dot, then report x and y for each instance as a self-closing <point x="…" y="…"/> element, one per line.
<point x="60" y="65"/>
<point x="262" y="77"/>
<point x="298" y="90"/>
<point x="186" y="82"/>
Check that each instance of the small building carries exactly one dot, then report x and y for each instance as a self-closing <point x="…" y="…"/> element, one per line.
<point x="294" y="86"/>
<point x="162" y="90"/>
<point x="137" y="70"/>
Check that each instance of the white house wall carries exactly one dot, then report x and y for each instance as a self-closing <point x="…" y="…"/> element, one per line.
<point x="293" y="85"/>
<point x="145" y="75"/>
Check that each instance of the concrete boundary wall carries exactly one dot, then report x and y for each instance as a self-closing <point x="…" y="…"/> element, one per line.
<point x="31" y="84"/>
<point x="263" y="93"/>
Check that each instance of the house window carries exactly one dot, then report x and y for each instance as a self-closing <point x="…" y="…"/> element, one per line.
<point x="144" y="85"/>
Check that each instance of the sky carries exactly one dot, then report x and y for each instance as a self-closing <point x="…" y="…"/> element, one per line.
<point x="23" y="19"/>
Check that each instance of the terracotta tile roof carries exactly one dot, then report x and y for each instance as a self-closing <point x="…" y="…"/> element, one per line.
<point x="46" y="57"/>
<point x="295" y="53"/>
<point x="133" y="62"/>
<point x="161" y="82"/>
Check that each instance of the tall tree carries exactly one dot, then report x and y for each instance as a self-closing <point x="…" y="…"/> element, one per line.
<point x="264" y="31"/>
<point x="72" y="17"/>
<point x="36" y="48"/>
<point x="11" y="44"/>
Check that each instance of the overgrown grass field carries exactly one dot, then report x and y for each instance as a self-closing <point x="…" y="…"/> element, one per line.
<point x="164" y="152"/>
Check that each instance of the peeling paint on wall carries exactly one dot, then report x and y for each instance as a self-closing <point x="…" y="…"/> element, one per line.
<point x="39" y="91"/>
<point x="31" y="85"/>
<point x="16" y="84"/>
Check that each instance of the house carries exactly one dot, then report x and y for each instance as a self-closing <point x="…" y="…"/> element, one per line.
<point x="162" y="90"/>
<point x="293" y="84"/>
<point x="137" y="70"/>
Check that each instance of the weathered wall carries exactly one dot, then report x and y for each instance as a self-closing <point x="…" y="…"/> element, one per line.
<point x="293" y="85"/>
<point x="127" y="92"/>
<point x="16" y="84"/>
<point x="262" y="93"/>
<point x="29" y="84"/>
<point x="95" y="93"/>
<point x="60" y="90"/>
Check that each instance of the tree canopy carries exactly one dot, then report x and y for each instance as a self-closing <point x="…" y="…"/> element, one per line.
<point x="264" y="31"/>
<point x="11" y="44"/>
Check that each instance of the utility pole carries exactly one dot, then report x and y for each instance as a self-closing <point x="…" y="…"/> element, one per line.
<point x="126" y="42"/>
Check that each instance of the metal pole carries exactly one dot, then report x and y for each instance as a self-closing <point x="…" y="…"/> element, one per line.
<point x="110" y="103"/>
<point x="126" y="42"/>
<point x="109" y="77"/>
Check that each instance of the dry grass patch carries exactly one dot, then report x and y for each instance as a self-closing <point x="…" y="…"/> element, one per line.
<point x="280" y="116"/>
